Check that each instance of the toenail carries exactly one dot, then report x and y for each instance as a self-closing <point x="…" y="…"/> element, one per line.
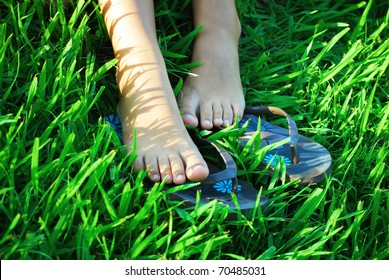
<point x="179" y="178"/>
<point x="187" y="116"/>
<point x="218" y="120"/>
<point x="207" y="123"/>
<point x="155" y="177"/>
<point x="194" y="169"/>
<point x="226" y="122"/>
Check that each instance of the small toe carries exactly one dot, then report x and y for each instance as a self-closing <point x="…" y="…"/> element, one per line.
<point x="139" y="163"/>
<point x="237" y="112"/>
<point x="165" y="170"/>
<point x="153" y="169"/>
<point x="217" y="115"/>
<point x="228" y="115"/>
<point x="178" y="169"/>
<point x="206" y="115"/>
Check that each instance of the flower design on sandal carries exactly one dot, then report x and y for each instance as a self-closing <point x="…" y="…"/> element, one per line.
<point x="273" y="159"/>
<point x="225" y="186"/>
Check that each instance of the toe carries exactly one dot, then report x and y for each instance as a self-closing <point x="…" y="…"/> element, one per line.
<point x="217" y="115"/>
<point x="178" y="169"/>
<point x="153" y="169"/>
<point x="237" y="112"/>
<point x="139" y="163"/>
<point x="228" y="115"/>
<point x="196" y="168"/>
<point x="197" y="173"/>
<point x="206" y="115"/>
<point x="165" y="170"/>
<point x="190" y="119"/>
<point x="188" y="108"/>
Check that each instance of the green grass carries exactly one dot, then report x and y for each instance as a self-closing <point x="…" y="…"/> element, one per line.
<point x="67" y="189"/>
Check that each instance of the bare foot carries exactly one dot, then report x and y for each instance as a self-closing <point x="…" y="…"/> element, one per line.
<point x="163" y="145"/>
<point x="147" y="103"/>
<point x="212" y="95"/>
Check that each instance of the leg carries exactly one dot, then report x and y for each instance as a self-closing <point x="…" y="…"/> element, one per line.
<point x="147" y="102"/>
<point x="213" y="96"/>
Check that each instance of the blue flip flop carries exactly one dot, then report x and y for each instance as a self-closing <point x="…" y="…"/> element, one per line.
<point x="219" y="185"/>
<point x="305" y="159"/>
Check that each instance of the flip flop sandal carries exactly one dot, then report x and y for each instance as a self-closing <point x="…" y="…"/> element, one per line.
<point x="114" y="121"/>
<point x="304" y="158"/>
<point x="219" y="185"/>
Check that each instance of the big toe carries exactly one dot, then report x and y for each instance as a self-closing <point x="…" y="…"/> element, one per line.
<point x="197" y="173"/>
<point x="188" y="107"/>
<point x="189" y="119"/>
<point x="196" y="168"/>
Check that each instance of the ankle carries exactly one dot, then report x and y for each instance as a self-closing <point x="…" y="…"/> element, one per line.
<point x="230" y="28"/>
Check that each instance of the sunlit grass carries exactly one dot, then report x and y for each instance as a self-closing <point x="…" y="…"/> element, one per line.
<point x="67" y="187"/>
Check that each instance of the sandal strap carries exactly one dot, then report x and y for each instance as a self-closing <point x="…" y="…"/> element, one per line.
<point x="229" y="173"/>
<point x="292" y="127"/>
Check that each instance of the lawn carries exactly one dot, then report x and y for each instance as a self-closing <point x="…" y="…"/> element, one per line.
<point x="67" y="188"/>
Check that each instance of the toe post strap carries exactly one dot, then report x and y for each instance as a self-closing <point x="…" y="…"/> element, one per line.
<point x="230" y="171"/>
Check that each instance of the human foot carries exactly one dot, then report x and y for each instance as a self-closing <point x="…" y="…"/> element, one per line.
<point x="147" y="103"/>
<point x="212" y="94"/>
<point x="163" y="145"/>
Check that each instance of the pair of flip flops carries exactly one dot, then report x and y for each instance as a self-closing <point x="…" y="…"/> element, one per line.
<point x="305" y="160"/>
